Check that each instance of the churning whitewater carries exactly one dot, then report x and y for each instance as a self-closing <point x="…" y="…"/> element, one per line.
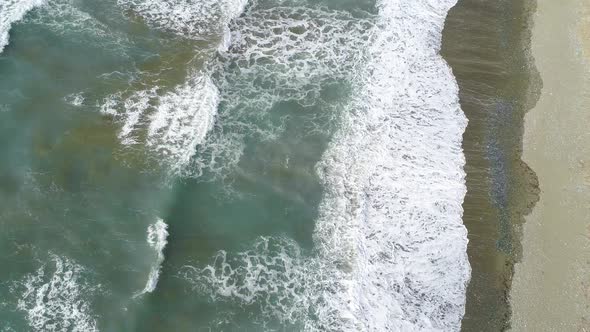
<point x="55" y="298"/>
<point x="391" y="216"/>
<point x="157" y="235"/>
<point x="389" y="246"/>
<point x="12" y="11"/>
<point x="177" y="120"/>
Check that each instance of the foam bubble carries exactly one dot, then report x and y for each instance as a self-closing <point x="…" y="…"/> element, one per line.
<point x="55" y="298"/>
<point x="157" y="235"/>
<point x="12" y="11"/>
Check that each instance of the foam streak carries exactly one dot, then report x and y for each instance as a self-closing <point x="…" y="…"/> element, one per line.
<point x="157" y="235"/>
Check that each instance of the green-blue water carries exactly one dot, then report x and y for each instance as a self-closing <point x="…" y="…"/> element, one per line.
<point x="71" y="193"/>
<point x="121" y="118"/>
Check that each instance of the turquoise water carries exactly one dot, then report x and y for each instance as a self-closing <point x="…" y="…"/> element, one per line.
<point x="222" y="165"/>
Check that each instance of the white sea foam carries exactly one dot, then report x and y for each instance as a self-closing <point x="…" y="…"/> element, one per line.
<point x="182" y="120"/>
<point x="67" y="19"/>
<point x="75" y="99"/>
<point x="395" y="183"/>
<point x="174" y="122"/>
<point x="391" y="246"/>
<point x="267" y="56"/>
<point x="193" y="19"/>
<point x="157" y="235"/>
<point x="278" y="54"/>
<point x="273" y="274"/>
<point x="55" y="298"/>
<point x="285" y="53"/>
<point x="12" y="11"/>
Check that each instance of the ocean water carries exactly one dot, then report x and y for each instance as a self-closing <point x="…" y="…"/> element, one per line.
<point x="229" y="165"/>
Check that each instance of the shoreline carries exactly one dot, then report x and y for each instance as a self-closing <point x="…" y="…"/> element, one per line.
<point x="551" y="288"/>
<point x="487" y="46"/>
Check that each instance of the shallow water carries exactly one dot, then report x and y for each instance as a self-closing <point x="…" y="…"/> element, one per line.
<point x="223" y="165"/>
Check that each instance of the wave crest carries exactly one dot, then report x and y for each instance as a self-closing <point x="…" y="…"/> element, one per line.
<point x="12" y="11"/>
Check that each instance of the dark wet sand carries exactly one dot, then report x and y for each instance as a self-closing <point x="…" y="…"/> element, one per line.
<point x="487" y="45"/>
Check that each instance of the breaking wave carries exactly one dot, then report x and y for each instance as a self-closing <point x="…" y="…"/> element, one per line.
<point x="390" y="244"/>
<point x="392" y="212"/>
<point x="266" y="56"/>
<point x="75" y="99"/>
<point x="390" y="247"/>
<point x="12" y="11"/>
<point x="177" y="121"/>
<point x="55" y="298"/>
<point x="157" y="235"/>
<point x="174" y="122"/>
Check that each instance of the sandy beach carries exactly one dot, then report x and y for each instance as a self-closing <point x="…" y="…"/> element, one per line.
<point x="551" y="285"/>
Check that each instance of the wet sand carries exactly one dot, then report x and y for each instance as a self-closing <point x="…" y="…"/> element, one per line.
<point x="486" y="43"/>
<point x="551" y="285"/>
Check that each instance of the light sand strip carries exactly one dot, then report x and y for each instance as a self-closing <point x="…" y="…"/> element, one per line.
<point x="551" y="286"/>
